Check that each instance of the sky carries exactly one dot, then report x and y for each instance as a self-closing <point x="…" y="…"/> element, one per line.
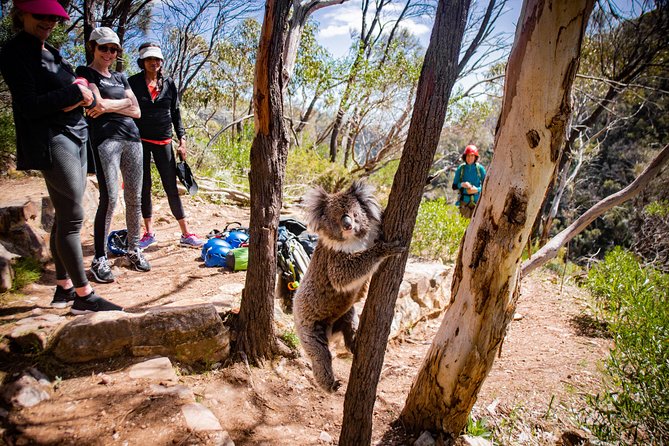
<point x="337" y="22"/>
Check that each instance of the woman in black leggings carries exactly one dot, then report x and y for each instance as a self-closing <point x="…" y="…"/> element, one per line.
<point x="159" y="103"/>
<point x="51" y="135"/>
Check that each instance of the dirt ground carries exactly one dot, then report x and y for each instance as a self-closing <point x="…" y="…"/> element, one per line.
<point x="547" y="365"/>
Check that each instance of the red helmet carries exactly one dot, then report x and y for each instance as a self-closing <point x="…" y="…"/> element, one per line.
<point x="471" y="150"/>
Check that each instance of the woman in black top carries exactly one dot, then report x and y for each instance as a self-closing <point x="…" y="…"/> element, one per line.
<point x="51" y="136"/>
<point x="158" y="100"/>
<point x="117" y="148"/>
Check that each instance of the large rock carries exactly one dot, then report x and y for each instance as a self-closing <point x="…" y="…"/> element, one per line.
<point x="188" y="333"/>
<point x="6" y="271"/>
<point x="21" y="230"/>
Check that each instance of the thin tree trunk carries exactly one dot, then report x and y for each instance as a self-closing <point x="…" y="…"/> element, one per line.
<point x="438" y="75"/>
<point x="549" y="250"/>
<point x="269" y="152"/>
<point x="531" y="132"/>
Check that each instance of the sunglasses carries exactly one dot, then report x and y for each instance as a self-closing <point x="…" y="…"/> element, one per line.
<point x="107" y="49"/>
<point x="48" y="17"/>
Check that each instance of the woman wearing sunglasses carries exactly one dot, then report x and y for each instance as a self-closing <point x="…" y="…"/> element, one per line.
<point x="117" y="148"/>
<point x="51" y="136"/>
<point x="159" y="102"/>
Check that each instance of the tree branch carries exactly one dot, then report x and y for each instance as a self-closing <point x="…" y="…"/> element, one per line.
<point x="551" y="248"/>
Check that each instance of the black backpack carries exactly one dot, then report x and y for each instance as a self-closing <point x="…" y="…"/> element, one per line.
<point x="294" y="248"/>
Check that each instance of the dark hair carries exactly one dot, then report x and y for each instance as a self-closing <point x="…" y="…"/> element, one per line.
<point x="17" y="18"/>
<point x="140" y="63"/>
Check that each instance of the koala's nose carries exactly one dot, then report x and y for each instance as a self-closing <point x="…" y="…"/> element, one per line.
<point x="347" y="222"/>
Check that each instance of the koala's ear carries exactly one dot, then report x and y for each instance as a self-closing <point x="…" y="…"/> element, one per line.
<point x="365" y="195"/>
<point x="315" y="201"/>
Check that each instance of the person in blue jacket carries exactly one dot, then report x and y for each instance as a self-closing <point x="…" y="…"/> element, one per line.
<point x="468" y="180"/>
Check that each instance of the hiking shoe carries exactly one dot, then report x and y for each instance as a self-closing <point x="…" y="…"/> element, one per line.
<point x="101" y="271"/>
<point x="191" y="241"/>
<point x="148" y="239"/>
<point x="138" y="261"/>
<point x="62" y="297"/>
<point x="91" y="304"/>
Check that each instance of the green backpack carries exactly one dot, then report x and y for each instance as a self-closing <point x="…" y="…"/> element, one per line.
<point x="238" y="259"/>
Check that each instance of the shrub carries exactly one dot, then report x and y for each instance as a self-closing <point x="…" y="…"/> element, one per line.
<point x="438" y="231"/>
<point x="26" y="271"/>
<point x="633" y="301"/>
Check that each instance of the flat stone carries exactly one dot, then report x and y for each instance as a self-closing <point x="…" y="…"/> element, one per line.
<point x="187" y="332"/>
<point x="425" y="439"/>
<point x="24" y="392"/>
<point x="157" y="369"/>
<point x="199" y="418"/>
<point x="182" y="392"/>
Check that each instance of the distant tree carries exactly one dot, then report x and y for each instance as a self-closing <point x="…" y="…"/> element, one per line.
<point x="190" y="30"/>
<point x="625" y="57"/>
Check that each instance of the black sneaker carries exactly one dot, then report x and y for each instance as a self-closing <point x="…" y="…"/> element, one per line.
<point x="101" y="271"/>
<point x="91" y="304"/>
<point x="62" y="297"/>
<point x="138" y="261"/>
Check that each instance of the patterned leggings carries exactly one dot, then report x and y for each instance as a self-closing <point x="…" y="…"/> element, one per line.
<point x="111" y="157"/>
<point x="66" y="182"/>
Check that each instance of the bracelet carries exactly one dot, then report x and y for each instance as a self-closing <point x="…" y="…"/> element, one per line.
<point x="93" y="104"/>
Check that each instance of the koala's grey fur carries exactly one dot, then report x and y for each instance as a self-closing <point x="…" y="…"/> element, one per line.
<point x="348" y="252"/>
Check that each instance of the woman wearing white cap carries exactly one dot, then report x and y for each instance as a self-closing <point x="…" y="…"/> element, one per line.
<point x="158" y="100"/>
<point x="51" y="136"/>
<point x="117" y="148"/>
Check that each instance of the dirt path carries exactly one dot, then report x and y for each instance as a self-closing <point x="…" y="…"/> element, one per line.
<point x="545" y="368"/>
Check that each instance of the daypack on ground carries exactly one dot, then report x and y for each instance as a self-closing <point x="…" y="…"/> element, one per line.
<point x="294" y="248"/>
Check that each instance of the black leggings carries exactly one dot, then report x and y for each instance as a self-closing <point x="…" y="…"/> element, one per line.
<point x="66" y="182"/>
<point x="163" y="156"/>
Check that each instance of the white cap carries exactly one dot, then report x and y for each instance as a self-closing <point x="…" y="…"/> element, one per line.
<point x="104" y="35"/>
<point x="151" y="51"/>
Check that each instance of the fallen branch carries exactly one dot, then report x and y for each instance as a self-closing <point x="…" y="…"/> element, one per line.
<point x="550" y="249"/>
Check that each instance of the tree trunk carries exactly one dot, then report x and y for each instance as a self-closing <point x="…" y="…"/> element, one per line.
<point x="269" y="152"/>
<point x="531" y="131"/>
<point x="438" y="75"/>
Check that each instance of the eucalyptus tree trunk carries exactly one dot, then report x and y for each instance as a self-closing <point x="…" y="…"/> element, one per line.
<point x="438" y="75"/>
<point x="531" y="131"/>
<point x="269" y="152"/>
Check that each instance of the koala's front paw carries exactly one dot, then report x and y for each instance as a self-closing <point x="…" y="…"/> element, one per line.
<point x="335" y="386"/>
<point x="392" y="248"/>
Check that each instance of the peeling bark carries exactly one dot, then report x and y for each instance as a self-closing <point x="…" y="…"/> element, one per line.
<point x="531" y="129"/>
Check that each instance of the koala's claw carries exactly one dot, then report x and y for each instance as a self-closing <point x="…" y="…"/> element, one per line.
<point x="393" y="248"/>
<point x="335" y="386"/>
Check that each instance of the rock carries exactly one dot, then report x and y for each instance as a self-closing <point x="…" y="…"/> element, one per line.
<point x="21" y="231"/>
<point x="31" y="334"/>
<point x="325" y="437"/>
<point x="199" y="418"/>
<point x="158" y="369"/>
<point x="188" y="333"/>
<point x="575" y="438"/>
<point x="407" y="312"/>
<point x="221" y="438"/>
<point x="182" y="392"/>
<point x="25" y="392"/>
<point x="468" y="440"/>
<point x="425" y="439"/>
<point x="6" y="270"/>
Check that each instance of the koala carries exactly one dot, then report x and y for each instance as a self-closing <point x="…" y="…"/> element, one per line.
<point x="349" y="251"/>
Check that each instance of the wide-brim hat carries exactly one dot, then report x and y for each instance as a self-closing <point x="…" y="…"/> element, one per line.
<point x="151" y="51"/>
<point x="103" y="35"/>
<point x="45" y="7"/>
